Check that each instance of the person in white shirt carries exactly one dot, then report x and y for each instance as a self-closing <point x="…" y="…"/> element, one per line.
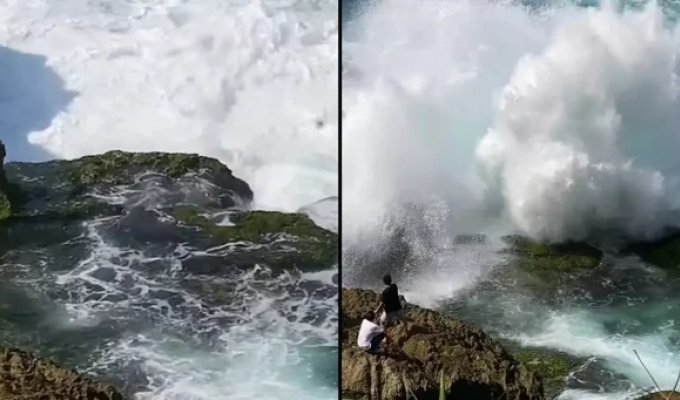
<point x="371" y="335"/>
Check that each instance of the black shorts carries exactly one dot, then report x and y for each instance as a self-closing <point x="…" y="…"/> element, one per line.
<point x="375" y="342"/>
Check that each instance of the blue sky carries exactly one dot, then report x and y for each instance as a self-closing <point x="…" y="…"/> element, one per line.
<point x="31" y="96"/>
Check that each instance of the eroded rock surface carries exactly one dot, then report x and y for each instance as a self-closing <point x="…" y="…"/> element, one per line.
<point x="474" y="365"/>
<point x="24" y="376"/>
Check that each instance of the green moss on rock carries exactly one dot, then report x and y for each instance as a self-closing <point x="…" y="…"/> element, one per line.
<point x="565" y="257"/>
<point x="552" y="366"/>
<point x="108" y="167"/>
<point x="26" y="376"/>
<point x="316" y="245"/>
<point x="60" y="188"/>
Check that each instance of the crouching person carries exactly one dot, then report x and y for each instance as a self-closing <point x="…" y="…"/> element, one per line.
<point x="371" y="335"/>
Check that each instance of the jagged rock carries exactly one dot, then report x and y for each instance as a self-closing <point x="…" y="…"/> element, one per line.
<point x="196" y="191"/>
<point x="553" y="366"/>
<point x="24" y="376"/>
<point x="316" y="247"/>
<point x="64" y="188"/>
<point x="474" y="365"/>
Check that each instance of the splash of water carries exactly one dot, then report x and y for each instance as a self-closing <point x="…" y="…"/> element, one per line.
<point x="251" y="83"/>
<point x="557" y="121"/>
<point x="564" y="125"/>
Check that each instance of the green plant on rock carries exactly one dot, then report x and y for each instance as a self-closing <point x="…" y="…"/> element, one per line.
<point x="442" y="388"/>
<point x="552" y="366"/>
<point x="254" y="225"/>
<point x="564" y="257"/>
<point x="107" y="167"/>
<point x="317" y="244"/>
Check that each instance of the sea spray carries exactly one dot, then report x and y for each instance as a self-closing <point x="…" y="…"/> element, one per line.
<point x="554" y="121"/>
<point x="254" y="84"/>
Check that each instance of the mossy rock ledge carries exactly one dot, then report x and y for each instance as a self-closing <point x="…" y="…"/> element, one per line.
<point x="62" y="189"/>
<point x="71" y="191"/>
<point x="546" y="269"/>
<point x="569" y="257"/>
<point x="574" y="257"/>
<point x="289" y="239"/>
<point x="553" y="366"/>
<point x="474" y="365"/>
<point x="24" y="376"/>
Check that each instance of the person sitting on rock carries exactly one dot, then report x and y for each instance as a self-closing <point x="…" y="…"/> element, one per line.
<point x="371" y="335"/>
<point x="390" y="303"/>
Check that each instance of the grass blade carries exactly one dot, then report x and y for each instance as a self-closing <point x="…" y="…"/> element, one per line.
<point x="442" y="389"/>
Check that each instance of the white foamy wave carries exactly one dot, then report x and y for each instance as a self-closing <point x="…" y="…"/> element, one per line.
<point x="273" y="337"/>
<point x="582" y="137"/>
<point x="572" y="394"/>
<point x="564" y="125"/>
<point x="583" y="334"/>
<point x="450" y="271"/>
<point x="252" y="83"/>
<point x="324" y="213"/>
<point x="419" y="99"/>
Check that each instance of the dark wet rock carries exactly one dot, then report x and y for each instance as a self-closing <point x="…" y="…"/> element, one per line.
<point x="61" y="194"/>
<point x="64" y="188"/>
<point x="562" y="257"/>
<point x="474" y="365"/>
<point x="291" y="240"/>
<point x="553" y="366"/>
<point x="24" y="376"/>
<point x="549" y="271"/>
<point x="664" y="253"/>
<point x="115" y="221"/>
<point x="471" y="238"/>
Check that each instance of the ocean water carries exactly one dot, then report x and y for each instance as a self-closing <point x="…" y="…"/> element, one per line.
<point x="252" y="83"/>
<point x="555" y="120"/>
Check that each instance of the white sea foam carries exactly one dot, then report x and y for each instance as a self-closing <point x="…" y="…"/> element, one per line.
<point x="563" y="122"/>
<point x="560" y="124"/>
<point x="270" y="341"/>
<point x="252" y="83"/>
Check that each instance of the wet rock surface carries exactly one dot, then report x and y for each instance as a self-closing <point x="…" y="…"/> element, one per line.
<point x="24" y="376"/>
<point x="428" y="343"/>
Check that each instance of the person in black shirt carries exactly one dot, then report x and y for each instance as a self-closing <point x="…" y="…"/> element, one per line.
<point x="390" y="303"/>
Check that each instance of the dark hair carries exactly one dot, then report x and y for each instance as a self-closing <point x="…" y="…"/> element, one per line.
<point x="387" y="279"/>
<point x="370" y="316"/>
